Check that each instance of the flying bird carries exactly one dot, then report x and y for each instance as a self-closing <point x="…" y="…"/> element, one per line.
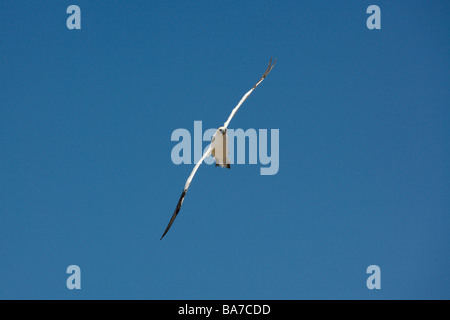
<point x="218" y="147"/>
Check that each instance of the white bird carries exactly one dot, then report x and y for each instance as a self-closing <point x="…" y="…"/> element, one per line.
<point x="218" y="147"/>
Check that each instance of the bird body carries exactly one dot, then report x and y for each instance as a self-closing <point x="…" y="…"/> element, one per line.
<point x="219" y="148"/>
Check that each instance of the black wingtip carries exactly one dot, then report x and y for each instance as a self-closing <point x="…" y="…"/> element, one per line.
<point x="165" y="231"/>
<point x="177" y="209"/>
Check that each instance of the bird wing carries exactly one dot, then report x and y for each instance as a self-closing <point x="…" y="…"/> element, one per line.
<point x="269" y="68"/>
<point x="186" y="187"/>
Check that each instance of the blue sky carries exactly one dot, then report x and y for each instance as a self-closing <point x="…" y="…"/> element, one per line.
<point x="86" y="176"/>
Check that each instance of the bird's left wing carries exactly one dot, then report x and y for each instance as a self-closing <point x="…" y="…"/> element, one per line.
<point x="185" y="189"/>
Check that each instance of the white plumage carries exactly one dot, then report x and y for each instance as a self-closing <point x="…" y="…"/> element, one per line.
<point x="219" y="148"/>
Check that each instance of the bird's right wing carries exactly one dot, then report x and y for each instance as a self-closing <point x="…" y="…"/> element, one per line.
<point x="186" y="187"/>
<point x="269" y="68"/>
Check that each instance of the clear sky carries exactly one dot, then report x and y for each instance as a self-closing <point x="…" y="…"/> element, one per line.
<point x="86" y="176"/>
